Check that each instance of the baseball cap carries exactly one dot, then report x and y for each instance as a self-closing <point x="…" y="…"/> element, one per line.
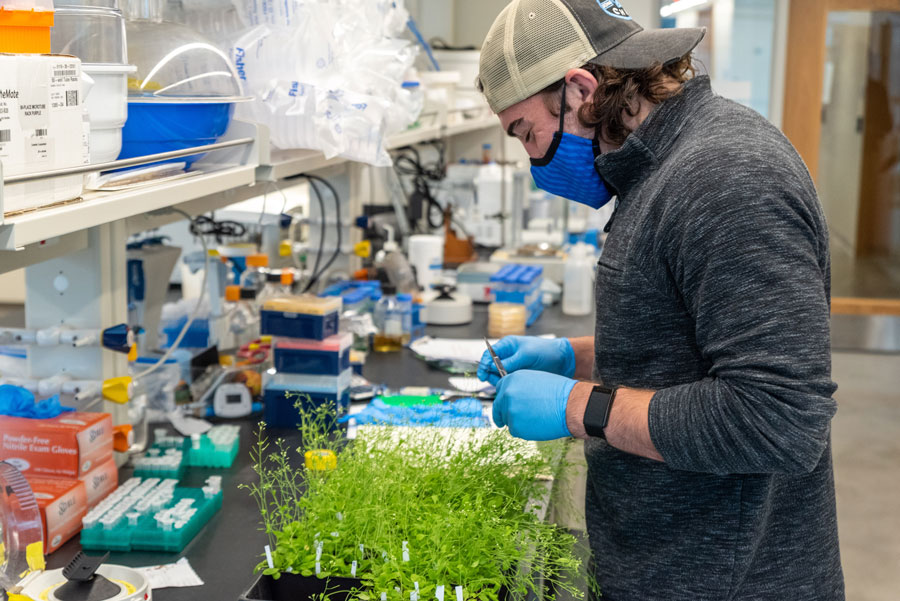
<point x="533" y="43"/>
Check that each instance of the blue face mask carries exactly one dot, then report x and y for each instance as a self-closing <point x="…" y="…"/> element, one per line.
<point x="567" y="169"/>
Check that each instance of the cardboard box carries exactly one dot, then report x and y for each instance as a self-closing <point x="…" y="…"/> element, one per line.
<point x="100" y="481"/>
<point x="42" y="127"/>
<point x="67" y="446"/>
<point x="63" y="503"/>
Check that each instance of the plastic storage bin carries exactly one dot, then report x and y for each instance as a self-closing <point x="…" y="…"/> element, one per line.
<point x="25" y="26"/>
<point x="301" y="317"/>
<point x="164" y="125"/>
<point x="107" y="107"/>
<point x="93" y="34"/>
<point x="326" y="357"/>
<point x="183" y="93"/>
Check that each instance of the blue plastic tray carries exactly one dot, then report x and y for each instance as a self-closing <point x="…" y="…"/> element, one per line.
<point x="154" y="127"/>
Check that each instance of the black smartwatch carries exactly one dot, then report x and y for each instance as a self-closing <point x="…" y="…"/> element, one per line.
<point x="596" y="414"/>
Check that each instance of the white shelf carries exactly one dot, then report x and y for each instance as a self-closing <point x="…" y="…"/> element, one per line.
<point x="98" y="208"/>
<point x="287" y="163"/>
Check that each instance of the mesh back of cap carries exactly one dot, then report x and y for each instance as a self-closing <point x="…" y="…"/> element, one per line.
<point x="531" y="44"/>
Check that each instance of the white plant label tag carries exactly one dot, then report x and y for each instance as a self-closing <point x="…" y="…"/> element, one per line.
<point x="353" y="569"/>
<point x="439" y="592"/>
<point x="405" y="551"/>
<point x="459" y="595"/>
<point x="269" y="557"/>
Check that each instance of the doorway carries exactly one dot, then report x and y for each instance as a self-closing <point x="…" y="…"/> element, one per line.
<point x="842" y="112"/>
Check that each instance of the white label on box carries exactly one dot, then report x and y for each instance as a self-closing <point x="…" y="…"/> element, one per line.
<point x="39" y="146"/>
<point x="65" y="84"/>
<point x="9" y="113"/>
<point x="41" y="127"/>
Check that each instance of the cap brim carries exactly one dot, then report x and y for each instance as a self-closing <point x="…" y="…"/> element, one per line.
<point x="648" y="47"/>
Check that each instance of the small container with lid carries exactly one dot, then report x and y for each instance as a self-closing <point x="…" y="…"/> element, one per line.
<point x="287" y="282"/>
<point x="506" y="319"/>
<point x="405" y="306"/>
<point x="243" y="319"/>
<point x="273" y="287"/>
<point x="25" y="26"/>
<point x="388" y="322"/>
<point x="254" y="277"/>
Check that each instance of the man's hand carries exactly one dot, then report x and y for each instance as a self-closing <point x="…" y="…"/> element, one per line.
<point x="553" y="355"/>
<point x="533" y="404"/>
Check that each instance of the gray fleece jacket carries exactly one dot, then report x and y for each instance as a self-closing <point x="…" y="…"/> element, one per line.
<point x="713" y="290"/>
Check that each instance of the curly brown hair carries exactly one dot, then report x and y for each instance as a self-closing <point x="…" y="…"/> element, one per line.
<point x="617" y="91"/>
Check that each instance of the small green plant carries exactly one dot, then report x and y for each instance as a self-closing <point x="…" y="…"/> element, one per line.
<point x="408" y="510"/>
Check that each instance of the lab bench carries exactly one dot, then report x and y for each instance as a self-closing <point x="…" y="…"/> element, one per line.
<point x="225" y="552"/>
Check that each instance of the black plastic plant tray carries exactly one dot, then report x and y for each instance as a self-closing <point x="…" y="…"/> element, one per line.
<point x="294" y="587"/>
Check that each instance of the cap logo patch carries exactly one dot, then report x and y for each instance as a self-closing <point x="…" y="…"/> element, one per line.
<point x="614" y="8"/>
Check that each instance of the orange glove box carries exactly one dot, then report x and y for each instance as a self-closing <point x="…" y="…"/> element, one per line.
<point x="67" y="446"/>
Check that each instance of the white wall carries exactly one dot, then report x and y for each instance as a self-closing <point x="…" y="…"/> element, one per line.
<point x="466" y="22"/>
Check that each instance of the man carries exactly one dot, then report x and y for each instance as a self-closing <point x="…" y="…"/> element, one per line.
<point x="708" y="443"/>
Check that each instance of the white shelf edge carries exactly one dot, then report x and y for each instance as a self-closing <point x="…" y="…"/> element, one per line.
<point x="98" y="208"/>
<point x="287" y="163"/>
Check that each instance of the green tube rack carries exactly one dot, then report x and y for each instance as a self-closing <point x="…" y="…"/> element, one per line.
<point x="217" y="448"/>
<point x="160" y="462"/>
<point x="151" y="515"/>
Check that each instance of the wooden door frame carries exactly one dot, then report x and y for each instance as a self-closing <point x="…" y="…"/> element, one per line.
<point x="802" y="120"/>
<point x="805" y="73"/>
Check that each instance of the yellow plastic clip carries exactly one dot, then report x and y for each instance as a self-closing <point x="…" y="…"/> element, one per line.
<point x="133" y="354"/>
<point x="320" y="460"/>
<point x="363" y="249"/>
<point x="34" y="556"/>
<point x="285" y="248"/>
<point x="117" y="390"/>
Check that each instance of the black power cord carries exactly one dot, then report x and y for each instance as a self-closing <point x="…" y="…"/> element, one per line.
<point x="317" y="273"/>
<point x="408" y="161"/>
<point x="207" y="226"/>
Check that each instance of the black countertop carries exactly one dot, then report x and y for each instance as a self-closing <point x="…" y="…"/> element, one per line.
<point x="225" y="552"/>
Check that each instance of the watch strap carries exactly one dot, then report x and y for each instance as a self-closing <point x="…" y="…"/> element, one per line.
<point x="596" y="413"/>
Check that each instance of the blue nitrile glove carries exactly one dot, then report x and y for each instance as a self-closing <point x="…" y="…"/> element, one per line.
<point x="554" y="355"/>
<point x="533" y="404"/>
<point x="18" y="402"/>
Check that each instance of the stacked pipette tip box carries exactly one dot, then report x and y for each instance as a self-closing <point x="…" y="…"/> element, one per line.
<point x="307" y="317"/>
<point x="310" y="372"/>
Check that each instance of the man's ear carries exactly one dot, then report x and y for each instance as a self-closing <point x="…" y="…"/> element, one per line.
<point x="582" y="82"/>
